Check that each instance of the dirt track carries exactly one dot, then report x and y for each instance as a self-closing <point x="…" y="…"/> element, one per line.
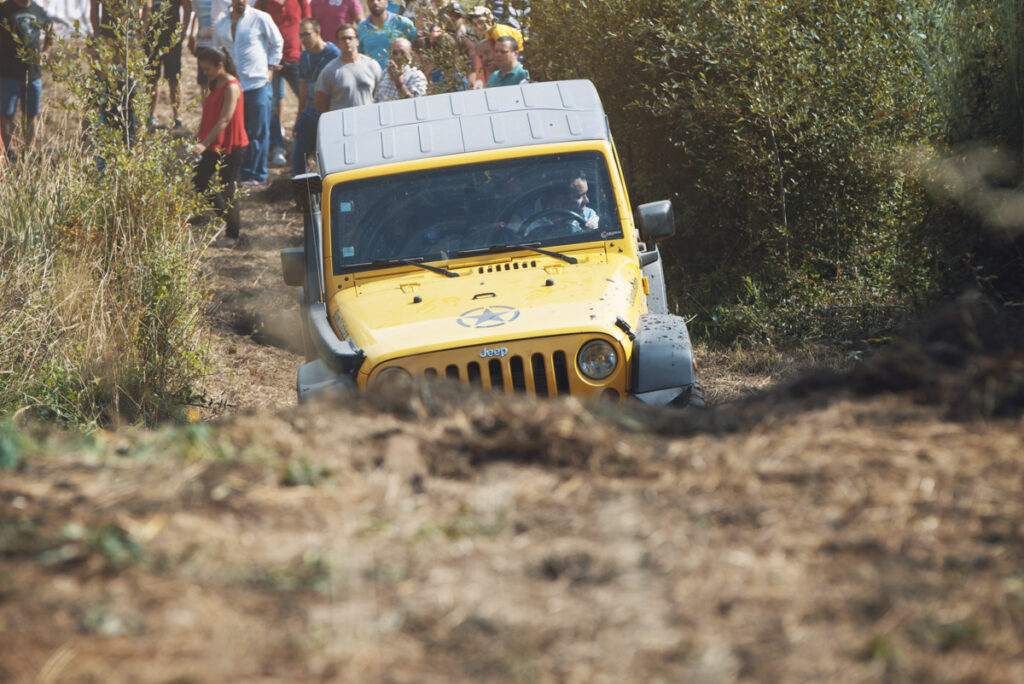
<point x="820" y="532"/>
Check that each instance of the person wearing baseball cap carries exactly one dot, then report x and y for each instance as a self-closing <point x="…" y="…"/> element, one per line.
<point x="488" y="29"/>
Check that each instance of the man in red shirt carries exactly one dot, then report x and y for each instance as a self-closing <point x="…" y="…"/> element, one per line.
<point x="286" y="15"/>
<point x="333" y="13"/>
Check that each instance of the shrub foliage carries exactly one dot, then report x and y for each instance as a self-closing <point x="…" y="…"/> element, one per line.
<point x="779" y="129"/>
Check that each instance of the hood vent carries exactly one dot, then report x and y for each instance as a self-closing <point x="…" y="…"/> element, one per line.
<point x="507" y="266"/>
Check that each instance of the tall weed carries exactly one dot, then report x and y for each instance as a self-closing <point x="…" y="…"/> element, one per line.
<point x="102" y="299"/>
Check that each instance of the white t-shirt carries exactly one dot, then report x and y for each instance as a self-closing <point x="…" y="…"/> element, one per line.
<point x="255" y="47"/>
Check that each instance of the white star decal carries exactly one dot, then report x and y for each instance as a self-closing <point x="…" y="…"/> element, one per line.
<point x="488" y="317"/>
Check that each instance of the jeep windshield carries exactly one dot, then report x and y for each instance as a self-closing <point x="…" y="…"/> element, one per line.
<point x="435" y="215"/>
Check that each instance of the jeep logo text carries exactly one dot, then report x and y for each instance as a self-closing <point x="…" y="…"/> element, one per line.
<point x="497" y="351"/>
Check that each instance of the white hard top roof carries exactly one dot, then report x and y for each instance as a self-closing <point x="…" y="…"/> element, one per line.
<point x="452" y="123"/>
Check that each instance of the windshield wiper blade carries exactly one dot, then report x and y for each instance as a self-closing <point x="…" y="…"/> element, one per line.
<point x="532" y="247"/>
<point x="414" y="262"/>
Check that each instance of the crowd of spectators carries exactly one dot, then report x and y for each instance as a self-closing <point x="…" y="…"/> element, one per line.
<point x="331" y="54"/>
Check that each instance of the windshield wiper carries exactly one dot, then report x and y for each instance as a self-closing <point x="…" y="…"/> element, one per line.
<point x="532" y="247"/>
<point x="414" y="262"/>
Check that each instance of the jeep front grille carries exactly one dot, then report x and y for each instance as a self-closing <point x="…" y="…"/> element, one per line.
<point x="540" y="374"/>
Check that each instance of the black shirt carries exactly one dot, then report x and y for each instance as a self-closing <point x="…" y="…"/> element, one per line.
<point x="28" y="24"/>
<point x="165" y="22"/>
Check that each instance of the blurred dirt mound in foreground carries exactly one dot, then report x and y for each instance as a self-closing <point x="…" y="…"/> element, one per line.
<point x="967" y="359"/>
<point x="429" y="535"/>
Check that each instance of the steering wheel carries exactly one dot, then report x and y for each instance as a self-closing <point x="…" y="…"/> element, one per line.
<point x="528" y="227"/>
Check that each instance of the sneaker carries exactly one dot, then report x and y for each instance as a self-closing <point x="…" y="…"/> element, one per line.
<point x="253" y="183"/>
<point x="179" y="124"/>
<point x="277" y="158"/>
<point x="152" y="122"/>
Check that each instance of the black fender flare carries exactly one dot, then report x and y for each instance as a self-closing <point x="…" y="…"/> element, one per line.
<point x="341" y="356"/>
<point x="663" y="365"/>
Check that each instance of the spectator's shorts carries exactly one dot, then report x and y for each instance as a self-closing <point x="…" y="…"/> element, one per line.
<point x="170" y="63"/>
<point x="13" y="90"/>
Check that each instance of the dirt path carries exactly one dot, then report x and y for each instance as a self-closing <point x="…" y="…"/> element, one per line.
<point x="254" y="314"/>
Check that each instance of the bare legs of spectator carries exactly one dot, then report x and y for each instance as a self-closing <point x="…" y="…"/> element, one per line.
<point x="173" y="91"/>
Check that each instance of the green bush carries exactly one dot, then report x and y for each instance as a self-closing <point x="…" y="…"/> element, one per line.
<point x="780" y="130"/>
<point x="101" y="304"/>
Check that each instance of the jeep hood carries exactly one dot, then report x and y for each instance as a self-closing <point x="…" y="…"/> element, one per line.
<point x="420" y="312"/>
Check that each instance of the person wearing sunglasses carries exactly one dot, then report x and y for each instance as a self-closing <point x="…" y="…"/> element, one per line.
<point x="316" y="54"/>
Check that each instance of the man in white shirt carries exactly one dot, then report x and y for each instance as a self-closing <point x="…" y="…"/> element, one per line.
<point x="255" y="44"/>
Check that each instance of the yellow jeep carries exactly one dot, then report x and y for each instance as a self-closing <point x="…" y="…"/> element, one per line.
<point x="485" y="237"/>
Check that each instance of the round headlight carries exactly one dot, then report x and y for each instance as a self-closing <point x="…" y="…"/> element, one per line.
<point x="597" y="359"/>
<point x="392" y="375"/>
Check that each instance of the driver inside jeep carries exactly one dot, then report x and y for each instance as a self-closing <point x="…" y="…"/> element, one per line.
<point x="566" y="204"/>
<point x="571" y="196"/>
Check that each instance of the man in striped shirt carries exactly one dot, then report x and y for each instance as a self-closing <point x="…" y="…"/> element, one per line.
<point x="400" y="79"/>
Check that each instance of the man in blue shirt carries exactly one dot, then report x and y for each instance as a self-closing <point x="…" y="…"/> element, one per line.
<point x="506" y="58"/>
<point x="379" y="30"/>
<point x="316" y="54"/>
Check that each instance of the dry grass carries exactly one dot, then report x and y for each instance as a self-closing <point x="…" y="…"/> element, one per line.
<point x="99" y="304"/>
<point x="730" y="373"/>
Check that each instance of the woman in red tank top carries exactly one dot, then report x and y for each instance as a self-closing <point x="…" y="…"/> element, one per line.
<point x="221" y="137"/>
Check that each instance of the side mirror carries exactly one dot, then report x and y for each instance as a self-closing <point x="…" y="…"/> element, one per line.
<point x="293" y="266"/>
<point x="656" y="220"/>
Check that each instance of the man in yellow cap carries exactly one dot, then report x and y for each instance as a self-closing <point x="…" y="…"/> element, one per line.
<point x="488" y="29"/>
